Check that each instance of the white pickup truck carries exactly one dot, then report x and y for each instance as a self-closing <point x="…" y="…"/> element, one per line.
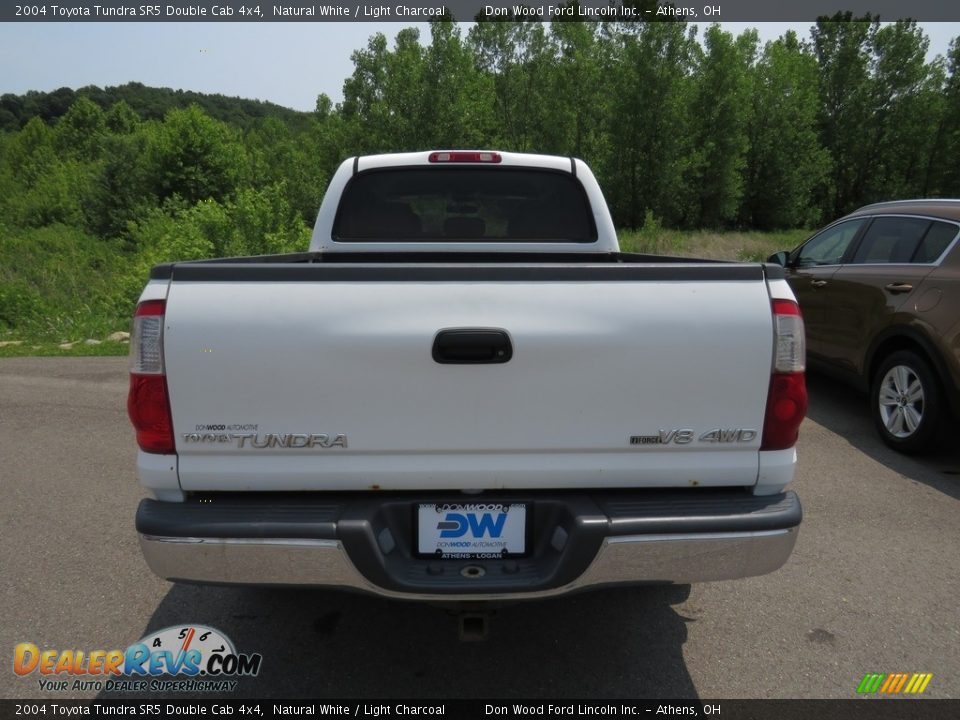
<point x="464" y="391"/>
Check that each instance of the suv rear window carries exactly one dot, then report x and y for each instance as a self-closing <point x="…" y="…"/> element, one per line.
<point x="891" y="240"/>
<point x="903" y="240"/>
<point x="938" y="237"/>
<point x="472" y="204"/>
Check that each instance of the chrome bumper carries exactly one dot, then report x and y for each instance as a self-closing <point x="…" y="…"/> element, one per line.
<point x="632" y="559"/>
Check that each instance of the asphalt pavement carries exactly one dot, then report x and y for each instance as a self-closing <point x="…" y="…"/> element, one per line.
<point x="872" y="586"/>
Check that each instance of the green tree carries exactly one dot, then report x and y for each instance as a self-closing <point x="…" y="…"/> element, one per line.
<point x="719" y="116"/>
<point x="906" y="107"/>
<point x="264" y="222"/>
<point x="81" y="130"/>
<point x="32" y="152"/>
<point x="650" y="151"/>
<point x="943" y="174"/>
<point x="193" y="156"/>
<point x="121" y="118"/>
<point x="578" y="99"/>
<point x="278" y="154"/>
<point x="457" y="97"/>
<point x="122" y="190"/>
<point x="785" y="160"/>
<point x="48" y="188"/>
<point x="844" y="48"/>
<point x="518" y="58"/>
<point x="383" y="98"/>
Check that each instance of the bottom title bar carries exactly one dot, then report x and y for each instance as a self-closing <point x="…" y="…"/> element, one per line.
<point x="727" y="709"/>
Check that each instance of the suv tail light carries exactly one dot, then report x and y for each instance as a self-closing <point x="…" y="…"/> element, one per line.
<point x="787" y="399"/>
<point x="148" y="403"/>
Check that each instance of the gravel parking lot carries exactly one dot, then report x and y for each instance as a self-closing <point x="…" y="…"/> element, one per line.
<point x="872" y="585"/>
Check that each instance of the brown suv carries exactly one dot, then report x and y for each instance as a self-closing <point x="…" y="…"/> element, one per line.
<point x="880" y="295"/>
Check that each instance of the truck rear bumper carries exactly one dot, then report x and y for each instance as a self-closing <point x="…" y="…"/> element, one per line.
<point x="579" y="541"/>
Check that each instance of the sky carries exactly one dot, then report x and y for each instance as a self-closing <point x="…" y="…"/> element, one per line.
<point x="286" y="63"/>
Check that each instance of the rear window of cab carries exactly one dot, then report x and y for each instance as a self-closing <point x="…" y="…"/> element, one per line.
<point x="464" y="204"/>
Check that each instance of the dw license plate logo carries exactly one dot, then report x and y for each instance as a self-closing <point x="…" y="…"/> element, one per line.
<point x="472" y="530"/>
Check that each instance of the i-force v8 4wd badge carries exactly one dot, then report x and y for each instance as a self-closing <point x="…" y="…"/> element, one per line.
<point x="685" y="436"/>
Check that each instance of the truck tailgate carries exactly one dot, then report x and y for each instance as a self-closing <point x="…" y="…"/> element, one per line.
<point x="326" y="380"/>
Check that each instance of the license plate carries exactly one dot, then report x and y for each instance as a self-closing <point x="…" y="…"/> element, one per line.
<point x="472" y="530"/>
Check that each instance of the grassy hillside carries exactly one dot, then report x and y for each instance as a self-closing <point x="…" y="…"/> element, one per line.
<point x="57" y="281"/>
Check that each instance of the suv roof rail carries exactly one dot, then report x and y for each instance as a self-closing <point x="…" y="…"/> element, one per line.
<point x="915" y="201"/>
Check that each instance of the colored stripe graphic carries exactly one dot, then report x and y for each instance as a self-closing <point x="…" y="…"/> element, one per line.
<point x="901" y="681"/>
<point x="870" y="683"/>
<point x="894" y="683"/>
<point x="918" y="683"/>
<point x="889" y="682"/>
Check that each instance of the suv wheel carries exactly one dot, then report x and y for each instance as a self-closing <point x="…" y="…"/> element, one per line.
<point x="906" y="402"/>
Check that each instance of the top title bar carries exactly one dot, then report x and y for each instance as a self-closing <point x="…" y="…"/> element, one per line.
<point x="470" y="10"/>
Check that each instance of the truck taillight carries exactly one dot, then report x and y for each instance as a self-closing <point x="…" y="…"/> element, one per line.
<point x="146" y="340"/>
<point x="465" y="157"/>
<point x="787" y="399"/>
<point x="148" y="403"/>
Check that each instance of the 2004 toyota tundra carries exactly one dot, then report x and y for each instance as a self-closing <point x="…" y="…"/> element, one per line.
<point x="465" y="391"/>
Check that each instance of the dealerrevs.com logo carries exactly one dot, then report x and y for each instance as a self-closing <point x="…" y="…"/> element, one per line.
<point x="183" y="658"/>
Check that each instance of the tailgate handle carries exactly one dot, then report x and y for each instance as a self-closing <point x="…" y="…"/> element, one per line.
<point x="468" y="346"/>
